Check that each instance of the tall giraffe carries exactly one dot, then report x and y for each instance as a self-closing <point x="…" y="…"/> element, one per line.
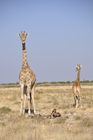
<point x="27" y="79"/>
<point x="76" y="87"/>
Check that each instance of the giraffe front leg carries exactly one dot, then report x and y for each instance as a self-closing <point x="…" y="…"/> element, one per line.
<point x="28" y="98"/>
<point x="75" y="101"/>
<point x="78" y="98"/>
<point x="22" y="110"/>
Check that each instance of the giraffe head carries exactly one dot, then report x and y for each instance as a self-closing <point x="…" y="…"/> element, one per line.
<point x="78" y="67"/>
<point x="23" y="36"/>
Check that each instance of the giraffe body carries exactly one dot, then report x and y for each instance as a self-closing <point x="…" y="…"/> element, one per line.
<point x="76" y="87"/>
<point x="27" y="80"/>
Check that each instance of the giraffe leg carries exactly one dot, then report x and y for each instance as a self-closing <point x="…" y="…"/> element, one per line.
<point x="22" y="110"/>
<point x="75" y="101"/>
<point x="25" y="96"/>
<point x="79" y="100"/>
<point x="33" y="102"/>
<point x="28" y="98"/>
<point x="24" y="105"/>
<point x="78" y="97"/>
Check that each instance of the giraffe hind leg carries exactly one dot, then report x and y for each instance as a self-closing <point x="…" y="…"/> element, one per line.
<point x="33" y="102"/>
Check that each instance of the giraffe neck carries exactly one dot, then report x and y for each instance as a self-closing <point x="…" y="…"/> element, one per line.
<point x="24" y="55"/>
<point x="78" y="76"/>
<point x="23" y="46"/>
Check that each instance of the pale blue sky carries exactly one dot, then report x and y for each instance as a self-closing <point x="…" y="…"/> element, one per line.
<point x="60" y="35"/>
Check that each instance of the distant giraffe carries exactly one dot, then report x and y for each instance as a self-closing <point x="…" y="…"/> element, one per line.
<point x="27" y="79"/>
<point x="76" y="87"/>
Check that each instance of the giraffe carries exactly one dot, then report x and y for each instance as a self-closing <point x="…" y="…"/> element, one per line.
<point x="76" y="87"/>
<point x="27" y="80"/>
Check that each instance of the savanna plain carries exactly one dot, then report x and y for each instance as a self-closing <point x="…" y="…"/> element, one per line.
<point x="74" y="124"/>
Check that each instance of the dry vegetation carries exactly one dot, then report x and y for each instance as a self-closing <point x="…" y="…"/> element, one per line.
<point x="74" y="124"/>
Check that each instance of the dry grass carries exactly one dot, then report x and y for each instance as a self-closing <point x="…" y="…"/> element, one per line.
<point x="74" y="124"/>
